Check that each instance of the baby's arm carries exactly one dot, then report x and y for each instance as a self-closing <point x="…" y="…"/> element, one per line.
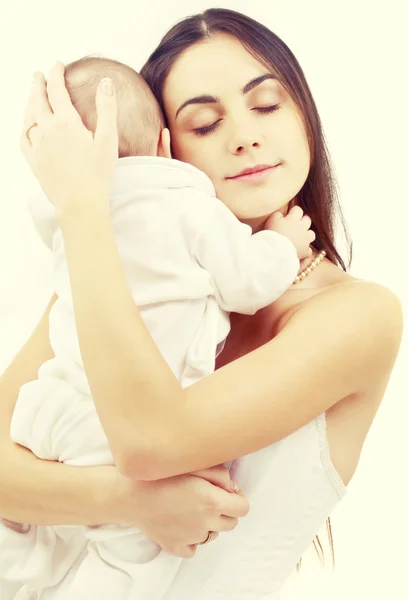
<point x="249" y="271"/>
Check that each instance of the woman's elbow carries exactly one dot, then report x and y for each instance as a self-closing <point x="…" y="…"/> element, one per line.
<point x="139" y="460"/>
<point x="150" y="462"/>
<point x="150" y="452"/>
<point x="135" y="464"/>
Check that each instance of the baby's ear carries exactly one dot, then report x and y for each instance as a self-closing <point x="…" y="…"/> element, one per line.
<point x="164" y="146"/>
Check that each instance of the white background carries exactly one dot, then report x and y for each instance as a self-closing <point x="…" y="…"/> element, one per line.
<point x="354" y="57"/>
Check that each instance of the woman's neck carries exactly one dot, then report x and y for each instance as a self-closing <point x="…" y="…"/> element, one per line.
<point x="305" y="262"/>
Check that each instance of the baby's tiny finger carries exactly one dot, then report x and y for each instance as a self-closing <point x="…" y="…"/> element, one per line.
<point x="307" y="221"/>
<point x="277" y="215"/>
<point x="296" y="211"/>
<point x="274" y="218"/>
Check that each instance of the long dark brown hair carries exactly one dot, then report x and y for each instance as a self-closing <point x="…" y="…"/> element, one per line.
<point x="318" y="196"/>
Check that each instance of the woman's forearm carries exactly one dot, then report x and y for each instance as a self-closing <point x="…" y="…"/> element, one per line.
<point x="157" y="429"/>
<point x="118" y="352"/>
<point x="47" y="493"/>
<point x="32" y="490"/>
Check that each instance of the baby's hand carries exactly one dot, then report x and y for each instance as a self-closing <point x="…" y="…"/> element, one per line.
<point x="296" y="227"/>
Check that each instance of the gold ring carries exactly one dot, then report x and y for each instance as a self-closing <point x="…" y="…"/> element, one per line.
<point x="27" y="131"/>
<point x="211" y="536"/>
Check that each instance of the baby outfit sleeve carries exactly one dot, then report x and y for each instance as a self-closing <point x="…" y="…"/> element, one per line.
<point x="249" y="271"/>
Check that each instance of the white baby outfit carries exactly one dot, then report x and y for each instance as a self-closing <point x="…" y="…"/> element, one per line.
<point x="292" y="487"/>
<point x="189" y="262"/>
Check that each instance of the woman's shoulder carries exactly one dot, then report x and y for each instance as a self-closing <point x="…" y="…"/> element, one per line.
<point x="345" y="292"/>
<point x="360" y="321"/>
<point x="341" y="294"/>
<point x="331" y="308"/>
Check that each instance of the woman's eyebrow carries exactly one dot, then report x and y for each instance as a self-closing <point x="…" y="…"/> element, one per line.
<point x="206" y="99"/>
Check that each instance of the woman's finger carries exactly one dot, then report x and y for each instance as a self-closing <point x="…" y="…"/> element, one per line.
<point x="184" y="551"/>
<point x="38" y="109"/>
<point x="214" y="536"/>
<point x="218" y="476"/>
<point x="58" y="95"/>
<point x="231" y="505"/>
<point x="25" y="146"/>
<point x="225" y="523"/>
<point x="106" y="130"/>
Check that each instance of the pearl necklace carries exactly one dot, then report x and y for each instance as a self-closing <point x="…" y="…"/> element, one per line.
<point x="310" y="267"/>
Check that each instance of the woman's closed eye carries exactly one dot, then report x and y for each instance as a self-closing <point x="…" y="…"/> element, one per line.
<point x="267" y="109"/>
<point x="201" y="131"/>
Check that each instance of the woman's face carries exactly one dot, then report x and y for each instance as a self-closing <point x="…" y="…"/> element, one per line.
<point x="226" y="114"/>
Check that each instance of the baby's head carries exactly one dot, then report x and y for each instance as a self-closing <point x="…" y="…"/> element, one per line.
<point x="140" y="120"/>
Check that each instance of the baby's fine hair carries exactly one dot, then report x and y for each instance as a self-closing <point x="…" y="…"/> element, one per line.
<point x="140" y="119"/>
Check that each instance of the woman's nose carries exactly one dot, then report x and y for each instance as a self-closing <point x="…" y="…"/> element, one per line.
<point x="242" y="142"/>
<point x="241" y="148"/>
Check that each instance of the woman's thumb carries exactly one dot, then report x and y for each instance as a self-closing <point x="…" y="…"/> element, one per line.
<point x="218" y="476"/>
<point x="106" y="112"/>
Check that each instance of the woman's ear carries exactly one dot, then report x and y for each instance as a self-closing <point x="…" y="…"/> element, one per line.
<point x="164" y="147"/>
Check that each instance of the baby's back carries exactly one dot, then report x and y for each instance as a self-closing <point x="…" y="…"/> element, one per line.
<point x="157" y="208"/>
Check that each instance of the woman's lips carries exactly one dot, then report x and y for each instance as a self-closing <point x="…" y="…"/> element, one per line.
<point x="256" y="176"/>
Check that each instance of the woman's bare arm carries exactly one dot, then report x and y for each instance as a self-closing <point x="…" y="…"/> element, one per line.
<point x="57" y="493"/>
<point x="339" y="340"/>
<point x="175" y="512"/>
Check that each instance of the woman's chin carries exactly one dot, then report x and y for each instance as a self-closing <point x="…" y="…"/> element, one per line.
<point x="258" y="211"/>
<point x="256" y="223"/>
<point x="257" y="219"/>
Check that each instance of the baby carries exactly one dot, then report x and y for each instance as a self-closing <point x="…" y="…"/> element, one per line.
<point x="189" y="263"/>
<point x="140" y="119"/>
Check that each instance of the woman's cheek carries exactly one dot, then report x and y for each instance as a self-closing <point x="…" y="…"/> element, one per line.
<point x="195" y="152"/>
<point x="201" y="159"/>
<point x="178" y="145"/>
<point x="294" y="143"/>
<point x="187" y="151"/>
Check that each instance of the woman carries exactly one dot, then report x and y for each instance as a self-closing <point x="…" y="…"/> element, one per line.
<point x="235" y="98"/>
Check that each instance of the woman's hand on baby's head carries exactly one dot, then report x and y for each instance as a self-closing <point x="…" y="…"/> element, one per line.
<point x="73" y="166"/>
<point x="296" y="227"/>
